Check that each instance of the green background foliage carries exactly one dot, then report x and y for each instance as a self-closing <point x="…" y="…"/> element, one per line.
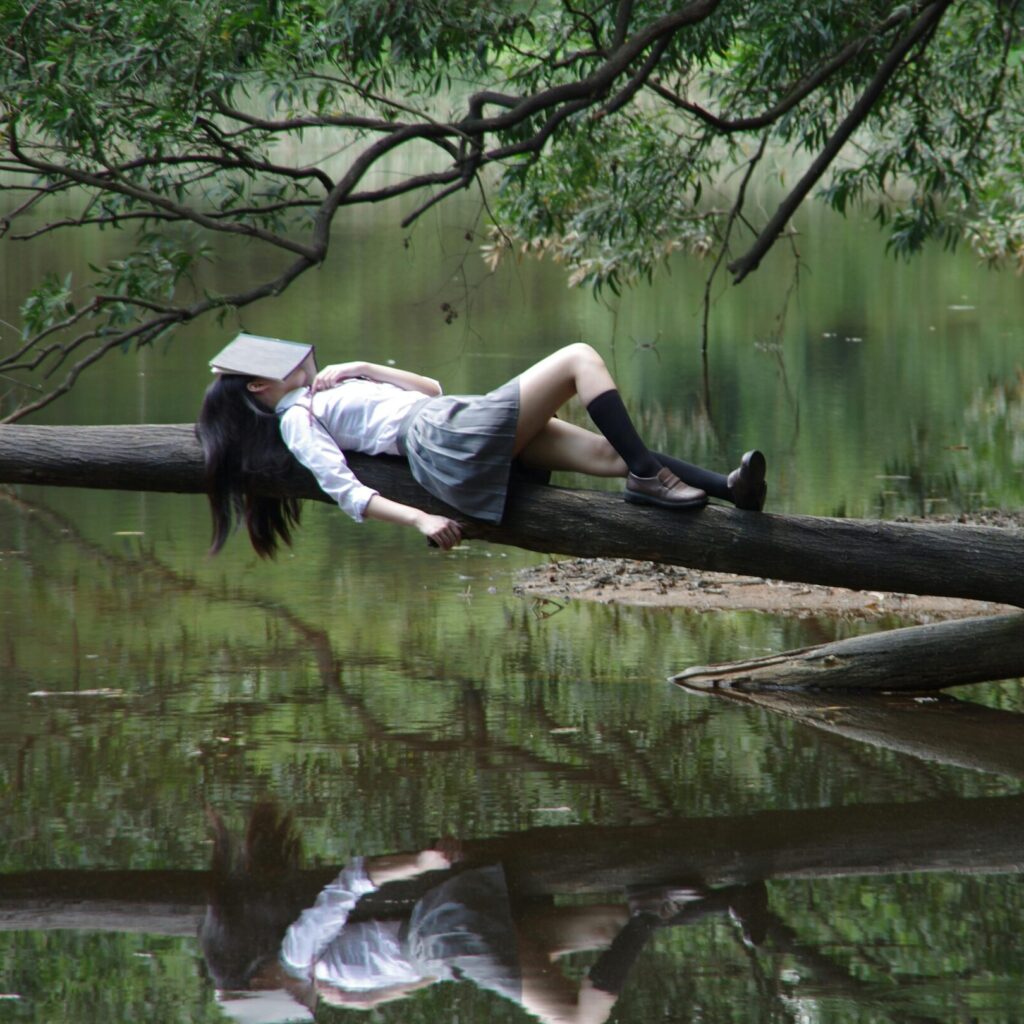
<point x="608" y="136"/>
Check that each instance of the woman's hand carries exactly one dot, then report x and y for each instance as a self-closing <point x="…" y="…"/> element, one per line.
<point x="450" y="849"/>
<point x="331" y="376"/>
<point x="441" y="531"/>
<point x="392" y="867"/>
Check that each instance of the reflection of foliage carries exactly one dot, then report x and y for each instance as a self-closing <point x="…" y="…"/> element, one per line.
<point x="103" y="979"/>
<point x="996" y="419"/>
<point x="392" y="723"/>
<point x="436" y="714"/>
<point x="944" y="478"/>
<point x="850" y="951"/>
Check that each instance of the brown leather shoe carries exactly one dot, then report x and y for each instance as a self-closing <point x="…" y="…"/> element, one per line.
<point x="665" y="490"/>
<point x="747" y="488"/>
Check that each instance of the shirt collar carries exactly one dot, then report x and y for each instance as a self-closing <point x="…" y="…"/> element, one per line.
<point x="290" y="399"/>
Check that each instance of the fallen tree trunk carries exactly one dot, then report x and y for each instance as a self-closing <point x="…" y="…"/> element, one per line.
<point x="946" y="560"/>
<point x="917" y="658"/>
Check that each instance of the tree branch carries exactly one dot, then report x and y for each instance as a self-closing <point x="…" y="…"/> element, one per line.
<point x="734" y="213"/>
<point x="149" y="331"/>
<point x="796" y="95"/>
<point x="123" y="218"/>
<point x="101" y="181"/>
<point x="922" y="28"/>
<point x="623" y="17"/>
<point x="639" y="80"/>
<point x="374" y="124"/>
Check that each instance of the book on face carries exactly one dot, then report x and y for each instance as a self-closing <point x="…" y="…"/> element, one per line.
<point x="255" y="356"/>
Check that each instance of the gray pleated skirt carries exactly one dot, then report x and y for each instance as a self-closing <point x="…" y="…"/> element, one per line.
<point x="459" y="448"/>
<point x="463" y="928"/>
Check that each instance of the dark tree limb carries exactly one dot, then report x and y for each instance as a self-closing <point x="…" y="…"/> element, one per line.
<point x="919" y="31"/>
<point x="980" y="563"/>
<point x="799" y="92"/>
<point x="916" y="658"/>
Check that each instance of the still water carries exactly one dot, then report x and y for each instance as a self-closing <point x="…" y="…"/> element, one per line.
<point x="385" y="695"/>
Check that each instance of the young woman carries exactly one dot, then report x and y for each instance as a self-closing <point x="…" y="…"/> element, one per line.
<point x="460" y="448"/>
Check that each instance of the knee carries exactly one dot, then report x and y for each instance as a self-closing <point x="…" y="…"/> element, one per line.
<point x="582" y="350"/>
<point x="582" y="353"/>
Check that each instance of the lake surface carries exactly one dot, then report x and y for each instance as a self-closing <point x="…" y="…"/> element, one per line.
<point x="386" y="695"/>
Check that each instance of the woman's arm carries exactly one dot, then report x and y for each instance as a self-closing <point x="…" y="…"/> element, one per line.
<point x="330" y="376"/>
<point x="443" y="532"/>
<point x="310" y="933"/>
<point x="367" y="999"/>
<point x="393" y="867"/>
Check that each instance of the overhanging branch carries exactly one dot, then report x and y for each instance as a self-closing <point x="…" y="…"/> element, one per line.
<point x="796" y="95"/>
<point x="105" y="183"/>
<point x="920" y="30"/>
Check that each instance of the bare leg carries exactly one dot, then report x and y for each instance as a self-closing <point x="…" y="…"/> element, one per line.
<point x="557" y="931"/>
<point x="547" y="933"/>
<point x="546" y="386"/>
<point x="579" y="370"/>
<point x="564" y="446"/>
<point x="546" y="443"/>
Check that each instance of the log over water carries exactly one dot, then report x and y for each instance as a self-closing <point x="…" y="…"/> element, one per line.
<point x="944" y="560"/>
<point x="916" y="658"/>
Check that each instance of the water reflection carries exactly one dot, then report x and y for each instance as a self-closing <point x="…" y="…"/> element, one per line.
<point x="938" y="728"/>
<point x="141" y="683"/>
<point x="466" y="925"/>
<point x="873" y="911"/>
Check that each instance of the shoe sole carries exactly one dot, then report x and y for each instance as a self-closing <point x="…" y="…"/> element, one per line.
<point x="758" y="467"/>
<point x="758" y="464"/>
<point x="642" y="499"/>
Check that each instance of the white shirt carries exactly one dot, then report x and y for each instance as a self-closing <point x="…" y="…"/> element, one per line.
<point x="359" y="957"/>
<point x="357" y="415"/>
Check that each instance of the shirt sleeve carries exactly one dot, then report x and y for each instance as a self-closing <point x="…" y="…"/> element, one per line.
<point x="314" y="447"/>
<point x="318" y="925"/>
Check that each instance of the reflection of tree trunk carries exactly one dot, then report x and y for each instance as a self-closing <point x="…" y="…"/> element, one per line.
<point x="983" y="835"/>
<point x="940" y="729"/>
<point x="945" y="560"/>
<point x="912" y="659"/>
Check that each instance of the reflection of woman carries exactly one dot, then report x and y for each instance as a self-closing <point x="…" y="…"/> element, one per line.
<point x="460" y="448"/>
<point x="461" y="929"/>
<point x="464" y="928"/>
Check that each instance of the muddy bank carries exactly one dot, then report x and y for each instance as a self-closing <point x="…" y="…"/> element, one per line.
<point x="617" y="580"/>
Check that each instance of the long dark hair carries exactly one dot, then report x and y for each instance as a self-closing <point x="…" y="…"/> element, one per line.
<point x="253" y="895"/>
<point x="241" y="442"/>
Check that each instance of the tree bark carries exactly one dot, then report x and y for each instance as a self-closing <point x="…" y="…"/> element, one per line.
<point x="917" y="658"/>
<point x="981" y="563"/>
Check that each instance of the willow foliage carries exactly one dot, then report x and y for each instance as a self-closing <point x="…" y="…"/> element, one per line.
<point x="606" y="135"/>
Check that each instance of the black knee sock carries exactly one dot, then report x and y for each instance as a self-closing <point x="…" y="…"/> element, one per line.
<point x="610" y="417"/>
<point x="715" y="485"/>
<point x="609" y="973"/>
